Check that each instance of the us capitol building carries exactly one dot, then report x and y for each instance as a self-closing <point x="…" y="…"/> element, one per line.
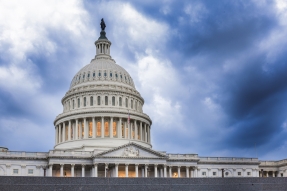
<point x="103" y="132"/>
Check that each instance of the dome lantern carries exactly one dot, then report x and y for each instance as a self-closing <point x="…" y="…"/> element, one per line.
<point x="103" y="44"/>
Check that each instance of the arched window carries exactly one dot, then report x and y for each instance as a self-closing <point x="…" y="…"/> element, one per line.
<point x="107" y="129"/>
<point x="94" y="74"/>
<point x="99" y="100"/>
<point x="105" y="74"/>
<point x="99" y="131"/>
<point x="113" y="101"/>
<point x="83" y="76"/>
<point x="91" y="101"/>
<point x="111" y="74"/>
<point x="85" y="101"/>
<point x="88" y="75"/>
<point x="114" y="129"/>
<point x="136" y="104"/>
<point x="127" y="102"/>
<point x="120" y="101"/>
<point x="99" y="73"/>
<point x="73" y="104"/>
<point x="116" y="76"/>
<point x="78" y="102"/>
<point x="132" y="103"/>
<point x="90" y="129"/>
<point x="106" y="100"/>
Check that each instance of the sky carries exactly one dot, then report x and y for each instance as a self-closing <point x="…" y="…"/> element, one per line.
<point x="213" y="74"/>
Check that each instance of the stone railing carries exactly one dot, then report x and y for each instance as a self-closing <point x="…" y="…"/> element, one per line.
<point x="234" y="159"/>
<point x="84" y="154"/>
<point x="23" y="154"/>
<point x="273" y="163"/>
<point x="181" y="156"/>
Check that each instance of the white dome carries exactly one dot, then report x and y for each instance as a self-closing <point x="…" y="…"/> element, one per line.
<point x="102" y="70"/>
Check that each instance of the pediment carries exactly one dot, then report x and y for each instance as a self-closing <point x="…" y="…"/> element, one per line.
<point x="131" y="150"/>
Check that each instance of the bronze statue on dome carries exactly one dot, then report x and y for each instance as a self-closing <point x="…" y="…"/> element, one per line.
<point x="103" y="25"/>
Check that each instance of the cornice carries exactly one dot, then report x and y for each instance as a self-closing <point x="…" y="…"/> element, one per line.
<point x="22" y="158"/>
<point x="64" y="115"/>
<point x="229" y="162"/>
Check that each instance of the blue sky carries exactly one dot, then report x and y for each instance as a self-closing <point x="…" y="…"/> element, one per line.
<point x="213" y="73"/>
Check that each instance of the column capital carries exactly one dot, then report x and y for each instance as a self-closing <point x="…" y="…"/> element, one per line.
<point x="156" y="165"/>
<point x="165" y="165"/>
<point x="50" y="165"/>
<point x="95" y="164"/>
<point x="23" y="166"/>
<point x="8" y="165"/>
<point x="83" y="165"/>
<point x="106" y="164"/>
<point x="136" y="164"/>
<point x="170" y="166"/>
<point x="117" y="164"/>
<point x="146" y="164"/>
<point x="61" y="164"/>
<point x="72" y="165"/>
<point x="178" y="166"/>
<point x="187" y="166"/>
<point x="127" y="164"/>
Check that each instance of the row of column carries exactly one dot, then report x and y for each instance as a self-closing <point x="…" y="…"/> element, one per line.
<point x="190" y="172"/>
<point x="269" y="174"/>
<point x="74" y="133"/>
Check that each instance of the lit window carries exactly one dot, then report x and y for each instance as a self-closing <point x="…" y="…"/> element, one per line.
<point x="91" y="101"/>
<point x="239" y="173"/>
<point x="99" y="100"/>
<point x="107" y="129"/>
<point x="85" y="100"/>
<point x="78" y="102"/>
<point x="120" y="101"/>
<point x="15" y="171"/>
<point x="90" y="129"/>
<point x="30" y="171"/>
<point x="113" y="101"/>
<point x="114" y="129"/>
<point x="214" y="173"/>
<point x="106" y="100"/>
<point x="98" y="129"/>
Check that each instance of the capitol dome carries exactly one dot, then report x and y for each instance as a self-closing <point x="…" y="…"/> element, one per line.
<point x="102" y="108"/>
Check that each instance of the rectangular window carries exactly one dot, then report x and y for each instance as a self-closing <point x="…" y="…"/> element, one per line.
<point x="113" y="101"/>
<point x="120" y="101"/>
<point x="99" y="73"/>
<point x="99" y="100"/>
<point x="214" y="173"/>
<point x="131" y="103"/>
<point x="203" y="173"/>
<point x="88" y="75"/>
<point x="15" y="171"/>
<point x="85" y="101"/>
<point x="106" y="100"/>
<point x="78" y="102"/>
<point x="91" y="101"/>
<point x="30" y="171"/>
<point x="239" y="173"/>
<point x="248" y="173"/>
<point x="126" y="102"/>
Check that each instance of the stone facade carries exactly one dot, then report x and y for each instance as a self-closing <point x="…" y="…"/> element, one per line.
<point x="103" y="132"/>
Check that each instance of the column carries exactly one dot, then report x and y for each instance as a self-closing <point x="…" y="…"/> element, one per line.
<point x="50" y="169"/>
<point x="95" y="170"/>
<point x="145" y="133"/>
<point x="137" y="170"/>
<point x="56" y="134"/>
<point x="208" y="172"/>
<point x="141" y="131"/>
<point x="161" y="173"/>
<point x="187" y="172"/>
<point x="127" y="170"/>
<point x="64" y="132"/>
<point x="117" y="169"/>
<point x="85" y="129"/>
<point x="267" y="173"/>
<point x="69" y="131"/>
<point x="142" y="171"/>
<point x="106" y="169"/>
<point x="164" y="170"/>
<point x="170" y="171"/>
<point x="83" y="170"/>
<point x="61" y="170"/>
<point x="191" y="173"/>
<point x="145" y="170"/>
<point x="120" y="129"/>
<point x="136" y="130"/>
<point x="178" y="171"/>
<point x="77" y="130"/>
<point x="273" y="174"/>
<point x="72" y="170"/>
<point x="155" y="170"/>
<point x="94" y="127"/>
<point x="103" y="131"/>
<point x="59" y="134"/>
<point x="195" y="172"/>
<point x="111" y="127"/>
